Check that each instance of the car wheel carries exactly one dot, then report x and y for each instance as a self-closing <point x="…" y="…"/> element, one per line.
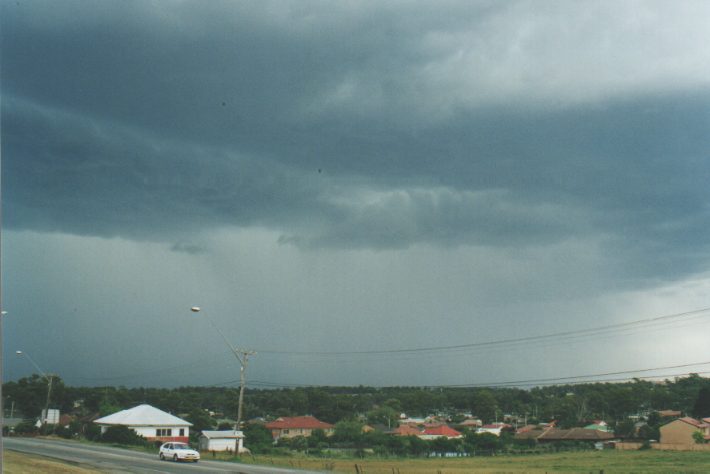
<point x="162" y="458"/>
<point x="175" y="457"/>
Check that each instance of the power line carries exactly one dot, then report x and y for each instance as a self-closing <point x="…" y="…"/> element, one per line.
<point x="575" y="333"/>
<point x="589" y="378"/>
<point x="404" y="354"/>
<point x="559" y="379"/>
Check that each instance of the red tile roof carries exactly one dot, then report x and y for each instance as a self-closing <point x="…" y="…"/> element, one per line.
<point x="442" y="430"/>
<point x="691" y="421"/>
<point x="296" y="422"/>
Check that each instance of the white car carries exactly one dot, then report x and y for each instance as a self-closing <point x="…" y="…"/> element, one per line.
<point x="178" y="452"/>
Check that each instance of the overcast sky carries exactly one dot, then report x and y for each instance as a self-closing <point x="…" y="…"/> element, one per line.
<point x="334" y="177"/>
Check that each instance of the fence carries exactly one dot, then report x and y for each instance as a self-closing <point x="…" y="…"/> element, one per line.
<point x="664" y="446"/>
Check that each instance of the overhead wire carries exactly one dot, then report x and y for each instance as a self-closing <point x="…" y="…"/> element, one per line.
<point x="525" y="339"/>
<point x="678" y="320"/>
<point x="588" y="378"/>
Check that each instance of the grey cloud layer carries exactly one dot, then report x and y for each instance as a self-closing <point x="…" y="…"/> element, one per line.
<point x="363" y="125"/>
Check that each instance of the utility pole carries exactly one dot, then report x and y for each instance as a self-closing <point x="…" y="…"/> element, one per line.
<point x="242" y="356"/>
<point x="49" y="378"/>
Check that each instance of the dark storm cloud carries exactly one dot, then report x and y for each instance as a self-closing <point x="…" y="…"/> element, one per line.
<point x="351" y="126"/>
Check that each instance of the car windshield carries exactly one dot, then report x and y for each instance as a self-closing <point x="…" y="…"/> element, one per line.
<point x="181" y="446"/>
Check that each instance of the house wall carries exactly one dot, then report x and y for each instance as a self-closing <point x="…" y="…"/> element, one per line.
<point x="218" y="444"/>
<point x="293" y="432"/>
<point x="678" y="432"/>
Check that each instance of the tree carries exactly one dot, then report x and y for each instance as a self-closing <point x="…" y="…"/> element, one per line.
<point x="347" y="431"/>
<point x="699" y="437"/>
<point x="317" y="437"/>
<point x="485" y="405"/>
<point x="385" y="415"/>
<point x="200" y="419"/>
<point x="701" y="408"/>
<point x="257" y="437"/>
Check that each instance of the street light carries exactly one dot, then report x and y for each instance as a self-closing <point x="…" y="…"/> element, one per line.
<point x="242" y="356"/>
<point x="46" y="377"/>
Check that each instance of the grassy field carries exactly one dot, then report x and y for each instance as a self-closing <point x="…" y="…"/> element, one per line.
<point x="20" y="463"/>
<point x="650" y="461"/>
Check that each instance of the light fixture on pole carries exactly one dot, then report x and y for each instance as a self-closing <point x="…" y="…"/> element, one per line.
<point x="242" y="356"/>
<point x="46" y="377"/>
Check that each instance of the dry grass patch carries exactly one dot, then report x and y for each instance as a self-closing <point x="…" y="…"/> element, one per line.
<point x="20" y="463"/>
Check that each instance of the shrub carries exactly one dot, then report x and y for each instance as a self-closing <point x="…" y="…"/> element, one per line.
<point x="26" y="427"/>
<point x="122" y="435"/>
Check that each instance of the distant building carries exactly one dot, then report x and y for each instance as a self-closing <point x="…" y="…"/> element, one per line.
<point x="471" y="423"/>
<point x="440" y="431"/>
<point x="494" y="428"/>
<point x="227" y="440"/>
<point x="149" y="422"/>
<point x="680" y="431"/>
<point x="290" y="427"/>
<point x="669" y="413"/>
<point x="406" y="430"/>
<point x="597" y="425"/>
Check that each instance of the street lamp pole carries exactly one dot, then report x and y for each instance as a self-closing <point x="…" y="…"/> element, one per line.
<point x="48" y="378"/>
<point x="2" y="408"/>
<point x="242" y="356"/>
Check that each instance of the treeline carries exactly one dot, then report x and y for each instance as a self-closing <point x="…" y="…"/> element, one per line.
<point x="570" y="405"/>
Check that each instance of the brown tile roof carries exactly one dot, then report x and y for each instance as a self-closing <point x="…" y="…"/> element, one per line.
<point x="470" y="422"/>
<point x="296" y="422"/>
<point x="526" y="428"/>
<point x="406" y="430"/>
<point x="530" y="434"/>
<point x="667" y="413"/>
<point x="575" y="434"/>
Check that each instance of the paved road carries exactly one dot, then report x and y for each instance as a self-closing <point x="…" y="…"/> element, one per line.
<point x="115" y="460"/>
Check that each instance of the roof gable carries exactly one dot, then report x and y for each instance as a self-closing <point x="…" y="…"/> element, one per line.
<point x="576" y="434"/>
<point x="407" y="430"/>
<point x="442" y="430"/>
<point x="296" y="422"/>
<point x="142" y="415"/>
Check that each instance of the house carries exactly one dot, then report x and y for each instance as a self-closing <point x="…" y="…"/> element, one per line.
<point x="574" y="434"/>
<point x="226" y="440"/>
<point x="680" y="431"/>
<point x="669" y="413"/>
<point x="439" y="432"/>
<point x="494" y="428"/>
<point x="471" y="423"/>
<point x="290" y="427"/>
<point x="598" y="425"/>
<point x="149" y="422"/>
<point x="406" y="430"/>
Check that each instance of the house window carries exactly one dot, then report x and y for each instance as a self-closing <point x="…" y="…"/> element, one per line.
<point x="285" y="431"/>
<point x="164" y="432"/>
<point x="182" y="431"/>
